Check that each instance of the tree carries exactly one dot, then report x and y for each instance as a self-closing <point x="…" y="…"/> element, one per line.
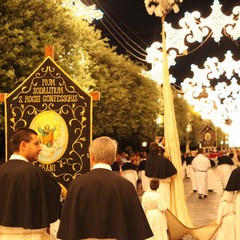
<point x="27" y="26"/>
<point x="129" y="101"/>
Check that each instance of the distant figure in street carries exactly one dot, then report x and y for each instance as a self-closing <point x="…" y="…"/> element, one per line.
<point x="157" y="166"/>
<point x="155" y="207"/>
<point x="141" y="172"/>
<point x="29" y="196"/>
<point x="211" y="176"/>
<point x="116" y="167"/>
<point x="129" y="172"/>
<point x="225" y="166"/>
<point x="201" y="164"/>
<point x="190" y="171"/>
<point x="101" y="204"/>
<point x="226" y="217"/>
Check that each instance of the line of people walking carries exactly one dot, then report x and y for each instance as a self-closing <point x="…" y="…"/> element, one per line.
<point x="100" y="204"/>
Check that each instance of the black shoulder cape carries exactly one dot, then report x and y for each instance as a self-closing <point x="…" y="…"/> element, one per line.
<point x="128" y="166"/>
<point x="29" y="196"/>
<point x="234" y="180"/>
<point x="142" y="165"/>
<point x="158" y="166"/>
<point x="102" y="204"/>
<point x="225" y="160"/>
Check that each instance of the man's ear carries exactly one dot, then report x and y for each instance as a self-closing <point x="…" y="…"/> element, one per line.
<point x="22" y="146"/>
<point x="92" y="160"/>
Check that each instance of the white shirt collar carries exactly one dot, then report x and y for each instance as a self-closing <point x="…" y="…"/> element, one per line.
<point x="18" y="157"/>
<point x="102" y="165"/>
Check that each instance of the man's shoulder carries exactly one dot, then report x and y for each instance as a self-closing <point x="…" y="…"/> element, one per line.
<point x="99" y="175"/>
<point x="236" y="170"/>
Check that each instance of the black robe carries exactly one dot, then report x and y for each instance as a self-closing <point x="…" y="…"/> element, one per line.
<point x="160" y="167"/>
<point x="189" y="160"/>
<point x="102" y="204"/>
<point x="115" y="167"/>
<point x="234" y="180"/>
<point x="128" y="166"/>
<point x="29" y="196"/>
<point x="142" y="165"/>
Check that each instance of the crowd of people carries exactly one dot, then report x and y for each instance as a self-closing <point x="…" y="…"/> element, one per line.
<point x="104" y="203"/>
<point x="200" y="169"/>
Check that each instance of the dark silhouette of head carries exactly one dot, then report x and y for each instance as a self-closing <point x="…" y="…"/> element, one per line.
<point x="154" y="184"/>
<point x="154" y="148"/>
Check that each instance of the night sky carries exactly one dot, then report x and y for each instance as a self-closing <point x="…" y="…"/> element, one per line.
<point x="129" y="27"/>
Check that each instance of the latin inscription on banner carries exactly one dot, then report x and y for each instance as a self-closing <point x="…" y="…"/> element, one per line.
<point x="60" y="112"/>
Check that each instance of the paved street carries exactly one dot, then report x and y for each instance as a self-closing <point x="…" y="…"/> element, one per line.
<point x="203" y="211"/>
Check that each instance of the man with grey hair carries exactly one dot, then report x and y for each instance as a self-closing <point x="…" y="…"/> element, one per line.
<point x="101" y="204"/>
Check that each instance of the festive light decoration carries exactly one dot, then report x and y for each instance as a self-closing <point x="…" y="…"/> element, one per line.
<point x="218" y="103"/>
<point x="79" y="9"/>
<point x="155" y="57"/>
<point x="194" y="28"/>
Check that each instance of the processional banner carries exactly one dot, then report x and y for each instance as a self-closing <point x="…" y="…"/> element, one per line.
<point x="52" y="104"/>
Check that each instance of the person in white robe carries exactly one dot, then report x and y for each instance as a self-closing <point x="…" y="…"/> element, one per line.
<point x="154" y="208"/>
<point x="142" y="176"/>
<point x="225" y="166"/>
<point x="201" y="164"/>
<point x="211" y="176"/>
<point x="226" y="217"/>
<point x="129" y="172"/>
<point x="190" y="172"/>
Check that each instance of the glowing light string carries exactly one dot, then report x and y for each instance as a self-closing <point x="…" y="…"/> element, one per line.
<point x="88" y="13"/>
<point x="218" y="102"/>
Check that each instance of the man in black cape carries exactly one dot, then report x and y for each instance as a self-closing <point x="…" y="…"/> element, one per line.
<point x="225" y="166"/>
<point x="102" y="204"/>
<point x="157" y="166"/>
<point x="29" y="196"/>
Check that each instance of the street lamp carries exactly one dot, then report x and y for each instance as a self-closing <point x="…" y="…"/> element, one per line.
<point x="144" y="144"/>
<point x="188" y="130"/>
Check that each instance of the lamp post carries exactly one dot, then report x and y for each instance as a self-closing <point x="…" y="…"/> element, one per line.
<point x="188" y="130"/>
